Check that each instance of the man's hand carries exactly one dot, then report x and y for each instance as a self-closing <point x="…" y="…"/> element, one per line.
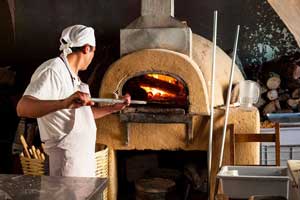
<point x="77" y="100"/>
<point x="121" y="106"/>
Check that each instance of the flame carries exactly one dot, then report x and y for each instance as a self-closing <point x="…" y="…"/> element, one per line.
<point x="153" y="92"/>
<point x="157" y="92"/>
<point x="162" y="77"/>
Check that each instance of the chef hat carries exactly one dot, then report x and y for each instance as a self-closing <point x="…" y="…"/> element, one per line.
<point x="76" y="36"/>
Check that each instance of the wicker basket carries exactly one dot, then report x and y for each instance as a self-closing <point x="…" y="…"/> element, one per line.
<point x="101" y="157"/>
<point x="36" y="167"/>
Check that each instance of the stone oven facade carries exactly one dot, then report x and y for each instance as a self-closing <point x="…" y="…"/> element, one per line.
<point x="183" y="127"/>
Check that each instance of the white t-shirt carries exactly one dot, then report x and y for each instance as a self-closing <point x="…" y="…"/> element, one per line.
<point x="54" y="80"/>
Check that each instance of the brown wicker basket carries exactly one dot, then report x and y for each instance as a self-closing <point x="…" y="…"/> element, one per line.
<point x="36" y="167"/>
<point x="101" y="157"/>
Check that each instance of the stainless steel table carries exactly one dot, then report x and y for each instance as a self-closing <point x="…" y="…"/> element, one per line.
<point x="26" y="187"/>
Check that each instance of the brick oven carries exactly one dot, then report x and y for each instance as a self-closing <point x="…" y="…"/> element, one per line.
<point x="164" y="63"/>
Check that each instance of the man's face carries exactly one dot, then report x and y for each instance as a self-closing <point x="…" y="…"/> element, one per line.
<point x="88" y="56"/>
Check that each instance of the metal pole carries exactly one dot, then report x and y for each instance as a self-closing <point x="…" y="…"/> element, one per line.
<point x="212" y="96"/>
<point x="229" y="95"/>
<point x="108" y="100"/>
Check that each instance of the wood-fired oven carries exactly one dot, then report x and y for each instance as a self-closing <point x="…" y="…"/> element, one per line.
<point x="163" y="63"/>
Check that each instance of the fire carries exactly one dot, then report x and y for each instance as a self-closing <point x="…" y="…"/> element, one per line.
<point x="153" y="92"/>
<point x="162" y="77"/>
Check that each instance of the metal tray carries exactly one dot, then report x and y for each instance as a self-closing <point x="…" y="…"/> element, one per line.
<point x="284" y="117"/>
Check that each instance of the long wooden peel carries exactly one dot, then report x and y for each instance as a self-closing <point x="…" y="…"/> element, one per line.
<point x="108" y="100"/>
<point x="25" y="146"/>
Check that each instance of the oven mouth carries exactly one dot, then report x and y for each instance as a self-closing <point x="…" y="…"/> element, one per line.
<point x="159" y="90"/>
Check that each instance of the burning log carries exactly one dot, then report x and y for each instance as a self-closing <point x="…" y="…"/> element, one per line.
<point x="171" y="87"/>
<point x="161" y="85"/>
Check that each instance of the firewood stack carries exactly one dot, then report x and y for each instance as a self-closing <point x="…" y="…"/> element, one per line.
<point x="280" y="85"/>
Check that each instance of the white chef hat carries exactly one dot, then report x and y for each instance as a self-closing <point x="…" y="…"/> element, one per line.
<point x="76" y="36"/>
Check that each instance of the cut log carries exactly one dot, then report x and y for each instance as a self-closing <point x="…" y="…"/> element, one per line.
<point x="296" y="93"/>
<point x="291" y="76"/>
<point x="272" y="94"/>
<point x="293" y="71"/>
<point x="286" y="68"/>
<point x="273" y="82"/>
<point x="277" y="105"/>
<point x="293" y="84"/>
<point x="272" y="107"/>
<point x="281" y="91"/>
<point x="293" y="103"/>
<point x="284" y="97"/>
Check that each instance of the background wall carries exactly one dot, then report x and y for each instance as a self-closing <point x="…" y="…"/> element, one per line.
<point x="38" y="25"/>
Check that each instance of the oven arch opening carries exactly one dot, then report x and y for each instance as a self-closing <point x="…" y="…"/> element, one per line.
<point x="158" y="89"/>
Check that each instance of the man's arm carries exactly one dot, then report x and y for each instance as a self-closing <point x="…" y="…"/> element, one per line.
<point x="106" y="110"/>
<point x="31" y="107"/>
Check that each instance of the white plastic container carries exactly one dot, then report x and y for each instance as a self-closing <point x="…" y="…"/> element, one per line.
<point x="246" y="181"/>
<point x="249" y="94"/>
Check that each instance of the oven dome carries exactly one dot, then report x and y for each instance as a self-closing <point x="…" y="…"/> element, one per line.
<point x="195" y="72"/>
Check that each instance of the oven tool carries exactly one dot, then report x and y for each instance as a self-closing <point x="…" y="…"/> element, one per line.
<point x="212" y="95"/>
<point x="229" y="95"/>
<point x="108" y="100"/>
<point x="228" y="104"/>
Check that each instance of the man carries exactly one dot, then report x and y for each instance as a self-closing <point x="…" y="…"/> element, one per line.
<point x="62" y="105"/>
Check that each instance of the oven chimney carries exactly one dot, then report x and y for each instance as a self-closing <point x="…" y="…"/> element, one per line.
<point x="158" y="7"/>
<point x="156" y="28"/>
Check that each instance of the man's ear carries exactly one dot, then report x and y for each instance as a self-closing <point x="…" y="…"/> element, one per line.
<point x="86" y="49"/>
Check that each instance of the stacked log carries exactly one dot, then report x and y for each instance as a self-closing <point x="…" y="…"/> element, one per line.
<point x="280" y="85"/>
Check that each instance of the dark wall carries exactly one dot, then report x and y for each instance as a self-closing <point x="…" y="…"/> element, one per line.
<point x="7" y="35"/>
<point x="39" y="24"/>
